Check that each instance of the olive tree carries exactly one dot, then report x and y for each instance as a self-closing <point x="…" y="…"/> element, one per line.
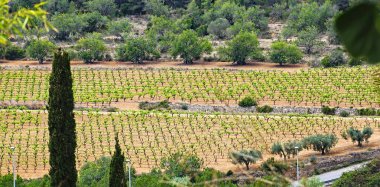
<point x="243" y="46"/>
<point x="218" y="28"/>
<point x="282" y="52"/>
<point x="189" y="46"/>
<point x="40" y="49"/>
<point x="245" y="157"/>
<point x="309" y="40"/>
<point x="136" y="50"/>
<point x="287" y="149"/>
<point x="91" y="49"/>
<point x="320" y="142"/>
<point x="359" y="136"/>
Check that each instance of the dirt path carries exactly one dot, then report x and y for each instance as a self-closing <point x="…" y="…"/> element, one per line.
<point x="168" y="64"/>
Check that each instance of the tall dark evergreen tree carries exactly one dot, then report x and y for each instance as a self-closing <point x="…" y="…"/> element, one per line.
<point x="62" y="135"/>
<point x="117" y="174"/>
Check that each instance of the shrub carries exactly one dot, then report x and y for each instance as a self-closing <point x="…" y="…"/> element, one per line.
<point x="40" y="49"/>
<point x="313" y="159"/>
<point x="328" y="111"/>
<point x="181" y="165"/>
<point x="218" y="28"/>
<point x="243" y="46"/>
<point x="189" y="46"/>
<point x="136" y="50"/>
<point x="7" y="180"/>
<point x="95" y="173"/>
<point x="282" y="52"/>
<point x="184" y="107"/>
<point x="105" y="8"/>
<point x="367" y="112"/>
<point x="344" y="113"/>
<point x="312" y="182"/>
<point x="272" y="165"/>
<point x="335" y="59"/>
<point x="14" y="52"/>
<point x="68" y="26"/>
<point x="247" y="102"/>
<point x="91" y="49"/>
<point x="355" y="62"/>
<point x="264" y="109"/>
<point x="118" y="27"/>
<point x="94" y="22"/>
<point x="154" y="106"/>
<point x="157" y="8"/>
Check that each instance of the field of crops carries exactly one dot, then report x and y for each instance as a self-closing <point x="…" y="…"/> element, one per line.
<point x="148" y="136"/>
<point x="345" y="87"/>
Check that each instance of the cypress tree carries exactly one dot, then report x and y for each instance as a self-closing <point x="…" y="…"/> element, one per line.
<point x="117" y="175"/>
<point x="62" y="135"/>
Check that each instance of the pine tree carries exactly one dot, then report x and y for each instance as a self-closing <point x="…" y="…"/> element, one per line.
<point x="117" y="175"/>
<point x="62" y="135"/>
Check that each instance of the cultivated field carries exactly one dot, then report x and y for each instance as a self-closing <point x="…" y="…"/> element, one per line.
<point x="344" y="87"/>
<point x="148" y="136"/>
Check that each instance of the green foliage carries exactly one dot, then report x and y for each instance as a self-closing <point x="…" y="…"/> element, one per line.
<point x="161" y="31"/>
<point x="119" y="27"/>
<point x="355" y="62"/>
<point x="137" y="50"/>
<point x="14" y="52"/>
<point x="321" y="143"/>
<point x="40" y="49"/>
<point x="264" y="109"/>
<point x="68" y="25"/>
<point x="360" y="136"/>
<point x="189" y="46"/>
<point x="350" y="26"/>
<point x="93" y="22"/>
<point x="105" y="8"/>
<point x="163" y="105"/>
<point x="335" y="59"/>
<point x="243" y="46"/>
<point x="157" y="8"/>
<point x="208" y="175"/>
<point x="95" y="173"/>
<point x="150" y="180"/>
<point x="7" y="180"/>
<point x="116" y="173"/>
<point x="368" y="112"/>
<point x="308" y="14"/>
<point x="181" y="165"/>
<point x="91" y="49"/>
<point x="218" y="28"/>
<point x="41" y="182"/>
<point x="344" y="114"/>
<point x="368" y="175"/>
<point x="279" y="12"/>
<point x="256" y="15"/>
<point x="246" y="157"/>
<point x="58" y="6"/>
<point x="62" y="133"/>
<point x="328" y="111"/>
<point x="287" y="149"/>
<point x="131" y="7"/>
<point x="281" y="52"/>
<point x="238" y="27"/>
<point x="271" y="165"/>
<point x="309" y="40"/>
<point x="312" y="182"/>
<point x="247" y="102"/>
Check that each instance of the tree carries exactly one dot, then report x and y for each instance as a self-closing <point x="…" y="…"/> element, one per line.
<point x="105" y="8"/>
<point x="359" y="136"/>
<point x="95" y="173"/>
<point x="117" y="175"/>
<point x="119" y="27"/>
<point x="39" y="49"/>
<point x="14" y="22"/>
<point x="218" y="28"/>
<point x="189" y="46"/>
<point x="336" y="58"/>
<point x="243" y="46"/>
<point x="309" y="39"/>
<point x="68" y="25"/>
<point x="61" y="122"/>
<point x="161" y="31"/>
<point x="157" y="8"/>
<point x="282" y="52"/>
<point x="256" y="15"/>
<point x="322" y="143"/>
<point x="181" y="165"/>
<point x="91" y="49"/>
<point x="136" y="50"/>
<point x="285" y="150"/>
<point x="246" y="157"/>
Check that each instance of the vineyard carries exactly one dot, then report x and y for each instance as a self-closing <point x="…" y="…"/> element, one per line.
<point x="148" y="136"/>
<point x="345" y="87"/>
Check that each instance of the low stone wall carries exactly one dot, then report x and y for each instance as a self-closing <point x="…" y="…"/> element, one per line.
<point x="276" y="109"/>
